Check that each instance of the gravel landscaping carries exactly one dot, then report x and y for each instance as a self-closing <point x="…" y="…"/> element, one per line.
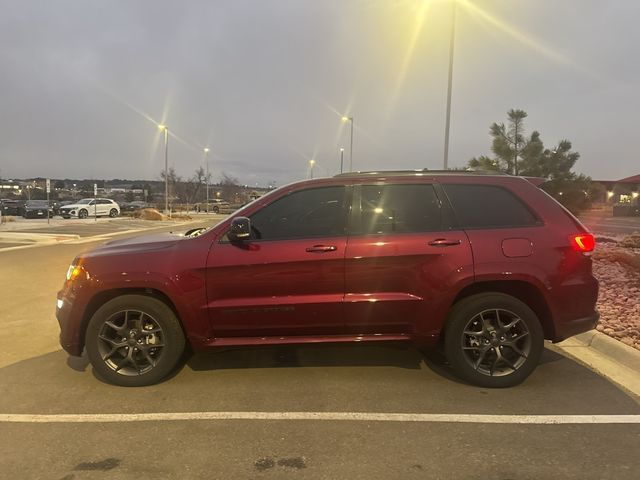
<point x="617" y="267"/>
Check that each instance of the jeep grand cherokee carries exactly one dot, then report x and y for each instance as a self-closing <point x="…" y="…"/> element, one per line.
<point x="487" y="266"/>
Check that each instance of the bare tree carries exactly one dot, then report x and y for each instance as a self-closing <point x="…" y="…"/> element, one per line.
<point x="229" y="187"/>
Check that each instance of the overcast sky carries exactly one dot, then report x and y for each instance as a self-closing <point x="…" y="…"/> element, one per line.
<point x="264" y="83"/>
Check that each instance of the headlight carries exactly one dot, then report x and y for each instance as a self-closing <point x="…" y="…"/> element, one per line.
<point x="75" y="270"/>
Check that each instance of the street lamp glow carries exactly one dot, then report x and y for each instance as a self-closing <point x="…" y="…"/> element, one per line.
<point x="345" y="119"/>
<point x="162" y="127"/>
<point x="206" y="149"/>
<point x="609" y="194"/>
<point x="634" y="194"/>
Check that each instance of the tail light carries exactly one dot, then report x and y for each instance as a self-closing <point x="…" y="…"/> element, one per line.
<point x="583" y="242"/>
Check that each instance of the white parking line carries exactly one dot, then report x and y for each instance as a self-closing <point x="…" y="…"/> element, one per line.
<point x="324" y="416"/>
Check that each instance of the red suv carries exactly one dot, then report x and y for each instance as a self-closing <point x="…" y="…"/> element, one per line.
<point x="485" y="265"/>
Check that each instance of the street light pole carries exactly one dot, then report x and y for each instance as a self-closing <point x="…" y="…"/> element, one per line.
<point x="206" y="160"/>
<point x="311" y="165"/>
<point x="165" y="129"/>
<point x="350" y="119"/>
<point x="449" y="85"/>
<point x="341" y="158"/>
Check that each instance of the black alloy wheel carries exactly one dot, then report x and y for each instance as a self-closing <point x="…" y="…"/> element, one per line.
<point x="493" y="340"/>
<point x="134" y="340"/>
<point x="83" y="213"/>
<point x="113" y="213"/>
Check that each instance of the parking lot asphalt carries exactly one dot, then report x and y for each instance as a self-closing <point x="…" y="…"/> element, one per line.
<point x="602" y="224"/>
<point x="269" y="384"/>
<point x="90" y="227"/>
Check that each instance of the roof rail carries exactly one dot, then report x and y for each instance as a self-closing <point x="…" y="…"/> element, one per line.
<point x="420" y="172"/>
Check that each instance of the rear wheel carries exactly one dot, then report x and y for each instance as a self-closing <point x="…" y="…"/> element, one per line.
<point x="493" y="340"/>
<point x="83" y="213"/>
<point x="216" y="209"/>
<point x="134" y="340"/>
<point x="113" y="213"/>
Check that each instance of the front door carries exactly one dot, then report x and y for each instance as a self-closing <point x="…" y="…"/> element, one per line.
<point x="402" y="260"/>
<point x="288" y="278"/>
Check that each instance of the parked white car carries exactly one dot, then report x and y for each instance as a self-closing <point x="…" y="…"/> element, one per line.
<point x="87" y="208"/>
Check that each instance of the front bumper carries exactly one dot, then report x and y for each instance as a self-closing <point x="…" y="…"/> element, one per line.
<point x="37" y="214"/>
<point x="70" y="322"/>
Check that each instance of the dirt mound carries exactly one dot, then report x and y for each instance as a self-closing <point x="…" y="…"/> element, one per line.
<point x="151" y="214"/>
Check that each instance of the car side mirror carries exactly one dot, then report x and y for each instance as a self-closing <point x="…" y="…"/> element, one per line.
<point x="240" y="229"/>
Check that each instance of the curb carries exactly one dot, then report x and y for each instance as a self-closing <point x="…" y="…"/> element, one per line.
<point x="34" y="238"/>
<point x="608" y="357"/>
<point x="28" y="240"/>
<point x="614" y="349"/>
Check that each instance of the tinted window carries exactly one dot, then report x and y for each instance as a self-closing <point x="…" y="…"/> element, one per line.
<point x="104" y="202"/>
<point x="485" y="206"/>
<point x="309" y="213"/>
<point x="399" y="209"/>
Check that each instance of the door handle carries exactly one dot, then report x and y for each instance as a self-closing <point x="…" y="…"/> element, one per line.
<point x="444" y="242"/>
<point x="322" y="248"/>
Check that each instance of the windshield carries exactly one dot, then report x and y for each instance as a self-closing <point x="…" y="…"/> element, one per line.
<point x="85" y="201"/>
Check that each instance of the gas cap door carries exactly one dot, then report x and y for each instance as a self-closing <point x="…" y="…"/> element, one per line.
<point x="517" y="247"/>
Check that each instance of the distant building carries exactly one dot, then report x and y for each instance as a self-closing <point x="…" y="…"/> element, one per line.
<point x="9" y="187"/>
<point x="624" y="191"/>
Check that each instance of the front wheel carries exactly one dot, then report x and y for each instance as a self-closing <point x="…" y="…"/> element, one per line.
<point x="134" y="340"/>
<point x="113" y="213"/>
<point x="493" y="340"/>
<point x="83" y="213"/>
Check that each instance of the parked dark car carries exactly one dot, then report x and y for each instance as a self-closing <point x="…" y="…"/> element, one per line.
<point x="135" y="206"/>
<point x="487" y="266"/>
<point x="37" y="209"/>
<point x="12" y="207"/>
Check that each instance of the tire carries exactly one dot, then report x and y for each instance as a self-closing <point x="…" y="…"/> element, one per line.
<point x="113" y="213"/>
<point x="505" y="345"/>
<point x="215" y="210"/>
<point x="83" y="213"/>
<point x="134" y="340"/>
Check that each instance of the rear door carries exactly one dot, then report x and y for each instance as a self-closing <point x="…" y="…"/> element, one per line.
<point x="404" y="260"/>
<point x="288" y="279"/>
<point x="103" y="206"/>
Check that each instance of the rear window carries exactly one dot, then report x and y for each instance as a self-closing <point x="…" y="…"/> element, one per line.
<point x="488" y="206"/>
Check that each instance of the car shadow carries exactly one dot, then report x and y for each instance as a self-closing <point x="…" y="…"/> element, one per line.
<point x="326" y="355"/>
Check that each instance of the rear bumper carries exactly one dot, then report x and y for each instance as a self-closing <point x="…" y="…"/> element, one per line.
<point x="574" y="327"/>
